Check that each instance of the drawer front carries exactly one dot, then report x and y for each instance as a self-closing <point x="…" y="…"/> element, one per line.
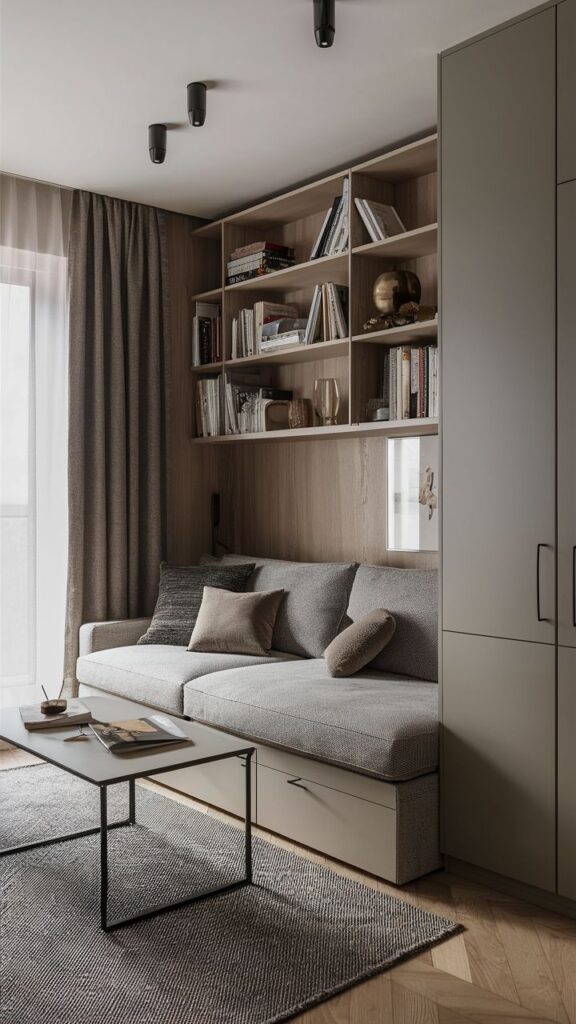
<point x="351" y="783"/>
<point x="221" y="783"/>
<point x="343" y="826"/>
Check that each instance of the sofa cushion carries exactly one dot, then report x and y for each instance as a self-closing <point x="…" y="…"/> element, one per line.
<point x="315" y="604"/>
<point x="156" y="673"/>
<point x="236" y="623"/>
<point x="378" y="725"/>
<point x="411" y="596"/>
<point x="180" y="596"/>
<point x="359" y="643"/>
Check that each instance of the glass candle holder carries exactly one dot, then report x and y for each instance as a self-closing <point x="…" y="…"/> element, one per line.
<point x="299" y="413"/>
<point x="326" y="400"/>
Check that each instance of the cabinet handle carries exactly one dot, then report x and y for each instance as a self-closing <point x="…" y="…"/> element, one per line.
<point x="574" y="586"/>
<point x="297" y="781"/>
<point x="541" y="618"/>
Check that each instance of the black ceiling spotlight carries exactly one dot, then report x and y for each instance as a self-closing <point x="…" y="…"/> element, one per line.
<point x="157" y="142"/>
<point x="324" y="22"/>
<point x="197" y="103"/>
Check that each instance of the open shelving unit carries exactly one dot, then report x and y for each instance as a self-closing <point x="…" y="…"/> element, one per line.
<point x="405" y="178"/>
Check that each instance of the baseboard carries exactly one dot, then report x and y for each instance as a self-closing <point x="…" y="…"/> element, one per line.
<point x="509" y="886"/>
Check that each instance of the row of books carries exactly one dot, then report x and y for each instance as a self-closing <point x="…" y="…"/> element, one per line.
<point x="381" y="221"/>
<point x="409" y="386"/>
<point x="206" y="334"/>
<point x="328" y="316"/>
<point x="248" y="325"/>
<point x="333" y="237"/>
<point x="251" y="408"/>
<point x="257" y="259"/>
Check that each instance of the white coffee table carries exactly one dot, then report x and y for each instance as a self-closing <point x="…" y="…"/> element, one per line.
<point x="89" y="760"/>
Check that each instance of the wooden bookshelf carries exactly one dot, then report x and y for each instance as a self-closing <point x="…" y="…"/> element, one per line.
<point x="405" y="178"/>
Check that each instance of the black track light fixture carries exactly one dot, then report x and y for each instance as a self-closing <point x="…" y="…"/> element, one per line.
<point x="324" y="22"/>
<point x="197" y="103"/>
<point x="157" y="142"/>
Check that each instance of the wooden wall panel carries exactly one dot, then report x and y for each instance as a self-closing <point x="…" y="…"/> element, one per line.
<point x="192" y="472"/>
<point x="310" y="501"/>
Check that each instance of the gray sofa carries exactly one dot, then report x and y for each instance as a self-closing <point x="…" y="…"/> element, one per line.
<point x="363" y="751"/>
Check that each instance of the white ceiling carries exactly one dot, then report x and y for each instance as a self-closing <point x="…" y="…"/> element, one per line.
<point x="81" y="81"/>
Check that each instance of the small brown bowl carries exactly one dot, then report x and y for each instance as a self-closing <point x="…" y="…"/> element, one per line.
<point x="53" y="707"/>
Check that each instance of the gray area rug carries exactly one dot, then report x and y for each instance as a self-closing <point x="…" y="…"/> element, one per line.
<point x="261" y="954"/>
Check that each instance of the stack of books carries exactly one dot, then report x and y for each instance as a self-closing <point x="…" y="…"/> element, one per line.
<point x="333" y="237"/>
<point x="256" y="259"/>
<point x="289" y="332"/>
<point x="206" y="334"/>
<point x="251" y="408"/>
<point x="247" y="326"/>
<point x="328" y="317"/>
<point x="410" y="382"/>
<point x="208" y="422"/>
<point x="381" y="221"/>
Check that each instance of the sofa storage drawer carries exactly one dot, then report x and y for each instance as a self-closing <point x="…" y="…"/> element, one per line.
<point x="347" y="828"/>
<point x="342" y="779"/>
<point x="221" y="783"/>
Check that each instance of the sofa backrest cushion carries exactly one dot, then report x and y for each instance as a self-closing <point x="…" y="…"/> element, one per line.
<point x="315" y="601"/>
<point x="411" y="596"/>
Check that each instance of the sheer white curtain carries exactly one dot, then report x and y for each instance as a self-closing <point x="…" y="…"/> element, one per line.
<point x="33" y="436"/>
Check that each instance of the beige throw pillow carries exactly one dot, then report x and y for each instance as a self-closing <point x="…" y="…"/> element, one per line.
<point x="231" y="623"/>
<point x="357" y="645"/>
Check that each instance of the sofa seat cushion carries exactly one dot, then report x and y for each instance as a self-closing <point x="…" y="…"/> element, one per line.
<point x="315" y="602"/>
<point x="373" y="723"/>
<point x="156" y="673"/>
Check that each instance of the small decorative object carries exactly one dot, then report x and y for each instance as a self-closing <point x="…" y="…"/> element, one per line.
<point x="412" y="494"/>
<point x="326" y="400"/>
<point x="56" y="706"/>
<point x="393" y="288"/>
<point x="53" y="707"/>
<point x="377" y="409"/>
<point x="299" y="413"/>
<point x="396" y="295"/>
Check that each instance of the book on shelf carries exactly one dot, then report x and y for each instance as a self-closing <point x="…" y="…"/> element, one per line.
<point x="139" y="735"/>
<point x="284" y="340"/>
<point x="333" y="236"/>
<point x="409" y="385"/>
<point x="33" y="719"/>
<point x="208" y="422"/>
<point x="206" y="334"/>
<point x="380" y="220"/>
<point x="269" y="257"/>
<point x="328" y="316"/>
<point x="248" y="325"/>
<point x="253" y="248"/>
<point x="251" y="408"/>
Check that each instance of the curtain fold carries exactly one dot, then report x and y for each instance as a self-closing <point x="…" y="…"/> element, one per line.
<point x="118" y="338"/>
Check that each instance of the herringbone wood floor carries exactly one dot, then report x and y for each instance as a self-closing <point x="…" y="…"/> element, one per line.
<point x="514" y="963"/>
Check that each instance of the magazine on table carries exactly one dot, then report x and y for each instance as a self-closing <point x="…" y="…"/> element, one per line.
<point x="139" y="735"/>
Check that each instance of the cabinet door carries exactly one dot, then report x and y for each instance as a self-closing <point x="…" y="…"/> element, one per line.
<point x="566" y="90"/>
<point x="498" y="309"/>
<point x="566" y="415"/>
<point x="567" y="772"/>
<point x="498" y="742"/>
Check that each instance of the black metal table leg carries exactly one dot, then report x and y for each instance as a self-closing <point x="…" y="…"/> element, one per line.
<point x="248" y="823"/>
<point x="131" y="802"/>
<point x="103" y="858"/>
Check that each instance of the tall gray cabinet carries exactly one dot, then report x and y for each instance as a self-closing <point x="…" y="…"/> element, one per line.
<point x="507" y="564"/>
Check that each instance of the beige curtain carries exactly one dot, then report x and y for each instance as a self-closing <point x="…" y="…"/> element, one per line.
<point x="117" y="420"/>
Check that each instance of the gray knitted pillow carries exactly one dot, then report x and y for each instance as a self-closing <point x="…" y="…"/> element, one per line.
<point x="180" y="596"/>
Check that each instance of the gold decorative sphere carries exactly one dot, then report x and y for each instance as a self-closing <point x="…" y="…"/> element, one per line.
<point x="393" y="288"/>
